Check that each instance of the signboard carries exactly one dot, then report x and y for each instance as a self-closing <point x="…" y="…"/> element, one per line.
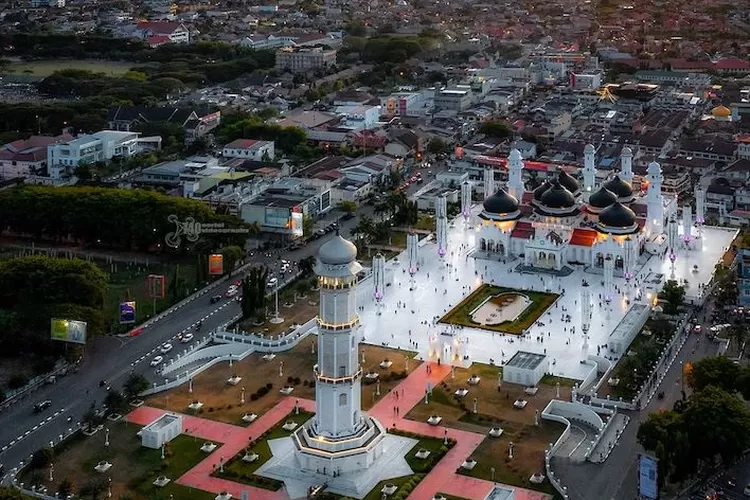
<point x="156" y="286"/>
<point x="216" y="264"/>
<point x="127" y="312"/>
<point x="67" y="330"/>
<point x="648" y="472"/>
<point x="297" y="224"/>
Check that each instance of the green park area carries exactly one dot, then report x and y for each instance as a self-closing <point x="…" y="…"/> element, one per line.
<point x="45" y="68"/>
<point x="464" y="313"/>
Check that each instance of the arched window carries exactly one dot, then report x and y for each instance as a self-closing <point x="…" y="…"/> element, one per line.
<point x="342" y="399"/>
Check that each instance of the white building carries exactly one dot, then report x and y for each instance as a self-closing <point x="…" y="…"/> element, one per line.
<point x="301" y="60"/>
<point x="249" y="149"/>
<point x="525" y="368"/>
<point x="63" y="157"/>
<point x="161" y="431"/>
<point x="453" y="99"/>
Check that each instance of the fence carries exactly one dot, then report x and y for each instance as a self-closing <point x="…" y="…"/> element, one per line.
<point x="547" y="415"/>
<point x="32" y="385"/>
<point x="261" y="344"/>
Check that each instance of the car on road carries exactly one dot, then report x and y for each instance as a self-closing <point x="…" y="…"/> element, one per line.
<point x="231" y="292"/>
<point x="42" y="405"/>
<point x="348" y="216"/>
<point x="165" y="348"/>
<point x="272" y="282"/>
<point x="216" y="298"/>
<point x="186" y="338"/>
<point x="157" y="361"/>
<point x="746" y="491"/>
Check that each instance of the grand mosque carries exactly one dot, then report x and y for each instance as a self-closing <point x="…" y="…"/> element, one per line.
<point x="563" y="222"/>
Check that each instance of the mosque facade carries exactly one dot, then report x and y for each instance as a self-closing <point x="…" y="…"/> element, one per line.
<point x="564" y="221"/>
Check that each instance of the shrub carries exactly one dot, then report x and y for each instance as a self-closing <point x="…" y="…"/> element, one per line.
<point x="253" y="397"/>
<point x="210" y="409"/>
<point x="304" y="384"/>
<point x="229" y="407"/>
<point x="296" y="380"/>
<point x="269" y="386"/>
<point x="200" y="410"/>
<point x="289" y="380"/>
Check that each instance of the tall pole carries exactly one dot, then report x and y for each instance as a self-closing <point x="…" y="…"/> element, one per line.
<point x="276" y="319"/>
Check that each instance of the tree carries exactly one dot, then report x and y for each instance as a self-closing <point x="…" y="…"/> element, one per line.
<point x="65" y="488"/>
<point x="436" y="146"/>
<point x="41" y="458"/>
<point x="134" y="385"/>
<point x="348" y="207"/>
<point x="718" y="371"/>
<point x="306" y="266"/>
<point x="495" y="129"/>
<point x="673" y="295"/>
<point x="308" y="225"/>
<point x="232" y="254"/>
<point x="718" y="425"/>
<point x="115" y="402"/>
<point x="254" y="296"/>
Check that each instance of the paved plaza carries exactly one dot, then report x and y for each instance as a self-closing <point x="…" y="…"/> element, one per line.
<point x="406" y="316"/>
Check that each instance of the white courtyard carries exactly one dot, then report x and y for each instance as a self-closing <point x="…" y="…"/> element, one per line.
<point x="406" y="316"/>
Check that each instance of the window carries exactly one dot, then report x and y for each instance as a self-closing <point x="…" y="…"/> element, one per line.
<point x="342" y="399"/>
<point x="342" y="371"/>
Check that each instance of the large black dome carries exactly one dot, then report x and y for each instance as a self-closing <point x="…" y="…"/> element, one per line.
<point x="568" y="182"/>
<point x="602" y="198"/>
<point x="500" y="203"/>
<point x="557" y="197"/>
<point x="621" y="188"/>
<point x="538" y="192"/>
<point x="617" y="215"/>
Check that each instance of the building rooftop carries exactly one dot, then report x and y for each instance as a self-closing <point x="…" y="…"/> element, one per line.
<point x="526" y="360"/>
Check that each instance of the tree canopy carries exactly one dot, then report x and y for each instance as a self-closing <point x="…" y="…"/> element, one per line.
<point x="116" y="218"/>
<point x="718" y="371"/>
<point x="673" y="295"/>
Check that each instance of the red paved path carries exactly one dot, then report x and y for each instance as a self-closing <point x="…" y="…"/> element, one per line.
<point x="442" y="478"/>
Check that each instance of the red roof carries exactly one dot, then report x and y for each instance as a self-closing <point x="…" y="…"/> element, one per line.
<point x="583" y="237"/>
<point x="523" y="230"/>
<point x="160" y="27"/>
<point x="241" y="144"/>
<point x="732" y="63"/>
<point x="370" y="140"/>
<point x="155" y="40"/>
<point x="527" y="197"/>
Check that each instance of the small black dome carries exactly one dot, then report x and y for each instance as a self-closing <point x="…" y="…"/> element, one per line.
<point x="538" y="192"/>
<point x="568" y="182"/>
<point x="621" y="188"/>
<point x="602" y="198"/>
<point x="558" y="197"/>
<point x="500" y="203"/>
<point x="617" y="215"/>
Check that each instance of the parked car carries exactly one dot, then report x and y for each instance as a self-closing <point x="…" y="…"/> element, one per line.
<point x="157" y="361"/>
<point x="272" y="282"/>
<point x="166" y="348"/>
<point x="42" y="405"/>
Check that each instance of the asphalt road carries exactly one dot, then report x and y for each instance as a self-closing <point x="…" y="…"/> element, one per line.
<point x="617" y="478"/>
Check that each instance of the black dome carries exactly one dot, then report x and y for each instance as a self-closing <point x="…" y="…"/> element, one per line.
<point x="602" y="198"/>
<point x="538" y="192"/>
<point x="500" y="203"/>
<point x="558" y="197"/>
<point x="617" y="215"/>
<point x="568" y="182"/>
<point x="621" y="188"/>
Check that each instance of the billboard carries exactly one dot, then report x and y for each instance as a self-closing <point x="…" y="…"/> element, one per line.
<point x="297" y="224"/>
<point x="648" y="473"/>
<point x="127" y="312"/>
<point x="68" y="330"/>
<point x="216" y="264"/>
<point x="156" y="286"/>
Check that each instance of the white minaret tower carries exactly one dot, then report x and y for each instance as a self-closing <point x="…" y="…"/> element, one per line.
<point x="626" y="165"/>
<point x="441" y="223"/>
<point x="672" y="240"/>
<point x="489" y="182"/>
<point x="515" y="175"/>
<point x="655" y="201"/>
<point x="629" y="259"/>
<point x="609" y="273"/>
<point x="589" y="171"/>
<point x="378" y="277"/>
<point x="412" y="241"/>
<point x="466" y="201"/>
<point x="340" y="430"/>
<point x="585" y="314"/>
<point x="700" y="210"/>
<point x="687" y="226"/>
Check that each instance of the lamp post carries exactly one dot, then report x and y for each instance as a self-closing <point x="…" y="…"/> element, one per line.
<point x="109" y="487"/>
<point x="106" y="437"/>
<point x="242" y="396"/>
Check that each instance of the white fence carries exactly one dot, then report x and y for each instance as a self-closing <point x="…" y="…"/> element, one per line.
<point x="549" y="453"/>
<point x="262" y="344"/>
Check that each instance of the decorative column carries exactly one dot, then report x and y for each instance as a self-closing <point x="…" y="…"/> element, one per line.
<point x="672" y="241"/>
<point x="489" y="182"/>
<point x="609" y="271"/>
<point x="700" y="210"/>
<point x="412" y="246"/>
<point x="515" y="174"/>
<point x="654" y="201"/>
<point x="589" y="171"/>
<point x="378" y="277"/>
<point x="626" y="165"/>
<point x="585" y="314"/>
<point x="466" y="201"/>
<point x="687" y="226"/>
<point x="441" y="223"/>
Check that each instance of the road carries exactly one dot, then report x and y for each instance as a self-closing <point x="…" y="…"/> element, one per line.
<point x="617" y="478"/>
<point x="113" y="359"/>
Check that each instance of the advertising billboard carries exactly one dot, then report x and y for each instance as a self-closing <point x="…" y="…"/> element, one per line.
<point x="297" y="226"/>
<point x="216" y="264"/>
<point x="156" y="286"/>
<point x="648" y="471"/>
<point x="127" y="312"/>
<point x="67" y="330"/>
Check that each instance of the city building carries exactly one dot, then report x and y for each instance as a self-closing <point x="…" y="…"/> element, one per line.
<point x="196" y="122"/>
<point x="302" y="60"/>
<point x="26" y="157"/>
<point x="453" y="99"/>
<point x="743" y="276"/>
<point x="249" y="149"/>
<point x="157" y="33"/>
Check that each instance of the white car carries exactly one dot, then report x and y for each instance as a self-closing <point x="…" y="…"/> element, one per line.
<point x="166" y="348"/>
<point x="186" y="338"/>
<point x="232" y="291"/>
<point x="272" y="282"/>
<point x="746" y="491"/>
<point x="157" y="361"/>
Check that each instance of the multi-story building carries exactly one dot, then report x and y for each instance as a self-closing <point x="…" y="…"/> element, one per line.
<point x="22" y="158"/>
<point x="161" y="32"/>
<point x="743" y="276"/>
<point x="91" y="148"/>
<point x="453" y="99"/>
<point x="302" y="60"/>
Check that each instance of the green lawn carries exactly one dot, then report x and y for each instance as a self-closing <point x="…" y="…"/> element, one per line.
<point x="46" y="68"/>
<point x="564" y="382"/>
<point x="129" y="282"/>
<point x="460" y="315"/>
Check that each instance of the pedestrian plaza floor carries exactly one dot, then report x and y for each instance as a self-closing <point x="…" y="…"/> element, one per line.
<point x="407" y="316"/>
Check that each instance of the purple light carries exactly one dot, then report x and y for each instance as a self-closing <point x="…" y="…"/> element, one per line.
<point x="441" y="252"/>
<point x="672" y="257"/>
<point x="628" y="275"/>
<point x="378" y="295"/>
<point x="412" y="270"/>
<point x="700" y="220"/>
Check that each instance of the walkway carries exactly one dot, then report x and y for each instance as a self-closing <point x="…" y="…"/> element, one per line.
<point x="233" y="439"/>
<point x="443" y="478"/>
<point x="610" y="438"/>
